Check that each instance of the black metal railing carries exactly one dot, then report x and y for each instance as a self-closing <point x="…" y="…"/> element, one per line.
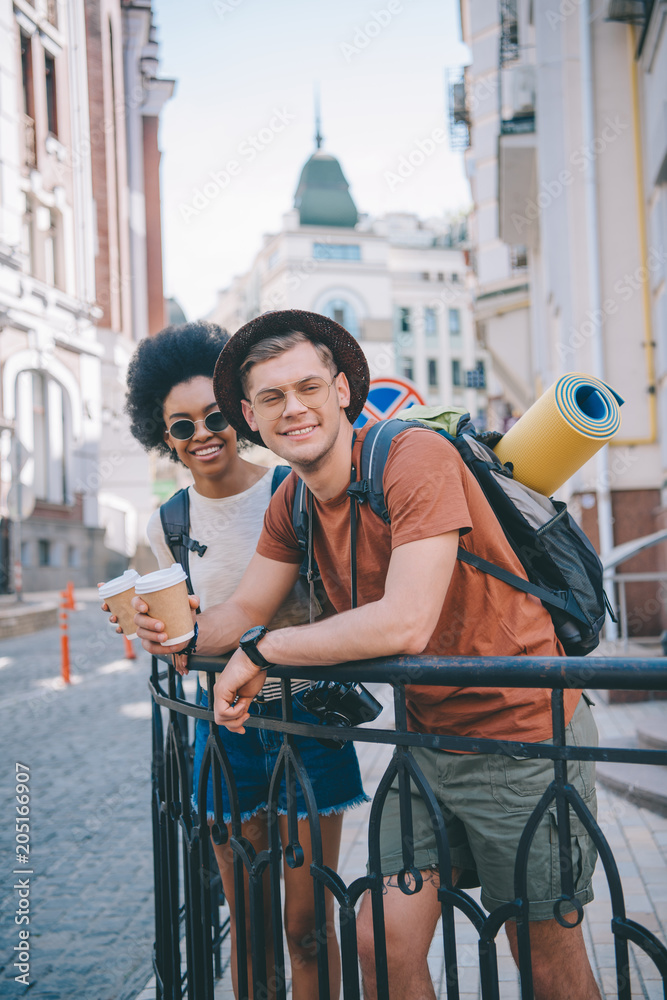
<point x="187" y="896"/>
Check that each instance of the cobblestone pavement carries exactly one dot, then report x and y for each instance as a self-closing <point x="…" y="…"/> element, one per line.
<point x="88" y="750"/>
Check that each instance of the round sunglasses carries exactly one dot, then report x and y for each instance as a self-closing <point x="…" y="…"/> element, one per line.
<point x="184" y="429"/>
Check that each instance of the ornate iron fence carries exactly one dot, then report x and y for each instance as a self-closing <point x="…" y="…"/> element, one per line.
<point x="187" y="896"/>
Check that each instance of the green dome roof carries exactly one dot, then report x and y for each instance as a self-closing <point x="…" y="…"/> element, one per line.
<point x="323" y="195"/>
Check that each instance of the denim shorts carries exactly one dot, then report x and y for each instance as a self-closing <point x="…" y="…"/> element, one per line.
<point x="334" y="774"/>
<point x="486" y="801"/>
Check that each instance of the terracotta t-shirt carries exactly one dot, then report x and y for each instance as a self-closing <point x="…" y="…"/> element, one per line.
<point x="429" y="491"/>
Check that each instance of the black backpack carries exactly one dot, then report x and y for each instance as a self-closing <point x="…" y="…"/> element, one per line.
<point x="562" y="567"/>
<point x="175" y="518"/>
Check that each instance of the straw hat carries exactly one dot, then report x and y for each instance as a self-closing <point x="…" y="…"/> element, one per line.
<point x="347" y="354"/>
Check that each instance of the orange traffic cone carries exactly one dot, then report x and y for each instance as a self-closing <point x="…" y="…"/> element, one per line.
<point x="64" y="639"/>
<point x="129" y="649"/>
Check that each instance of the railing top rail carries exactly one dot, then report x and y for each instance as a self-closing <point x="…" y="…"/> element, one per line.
<point x="600" y="672"/>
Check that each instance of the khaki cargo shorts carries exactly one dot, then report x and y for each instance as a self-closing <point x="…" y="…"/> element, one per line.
<point x="486" y="801"/>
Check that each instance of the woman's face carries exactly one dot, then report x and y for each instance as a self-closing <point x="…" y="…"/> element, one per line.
<point x="206" y="453"/>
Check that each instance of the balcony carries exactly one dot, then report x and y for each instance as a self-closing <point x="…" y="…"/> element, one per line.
<point x="459" y="114"/>
<point x="517" y="109"/>
<point x="191" y="932"/>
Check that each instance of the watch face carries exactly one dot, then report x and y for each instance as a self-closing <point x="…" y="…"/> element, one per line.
<point x="254" y="634"/>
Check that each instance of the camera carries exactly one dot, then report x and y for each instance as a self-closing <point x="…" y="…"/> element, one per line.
<point x="342" y="705"/>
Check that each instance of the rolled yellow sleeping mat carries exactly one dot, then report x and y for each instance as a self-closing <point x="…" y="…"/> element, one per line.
<point x="565" y="427"/>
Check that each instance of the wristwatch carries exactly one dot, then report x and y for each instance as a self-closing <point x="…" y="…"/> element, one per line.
<point x="248" y="643"/>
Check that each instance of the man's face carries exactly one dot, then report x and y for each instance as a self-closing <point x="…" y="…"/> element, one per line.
<point x="303" y="435"/>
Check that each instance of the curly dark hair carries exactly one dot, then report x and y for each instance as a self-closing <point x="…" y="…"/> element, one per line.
<point x="176" y="354"/>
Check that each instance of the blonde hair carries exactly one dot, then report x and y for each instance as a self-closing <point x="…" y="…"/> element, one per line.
<point x="273" y="347"/>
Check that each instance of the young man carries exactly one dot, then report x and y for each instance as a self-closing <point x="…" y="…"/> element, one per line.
<point x="296" y="382"/>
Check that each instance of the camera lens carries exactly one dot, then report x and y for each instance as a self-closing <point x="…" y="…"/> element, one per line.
<point x="336" y="719"/>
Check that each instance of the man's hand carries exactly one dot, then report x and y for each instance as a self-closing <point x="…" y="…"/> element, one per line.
<point x="243" y="680"/>
<point x="151" y="630"/>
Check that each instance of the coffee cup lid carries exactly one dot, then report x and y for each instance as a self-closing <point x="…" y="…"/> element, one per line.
<point x="160" y="579"/>
<point x="119" y="584"/>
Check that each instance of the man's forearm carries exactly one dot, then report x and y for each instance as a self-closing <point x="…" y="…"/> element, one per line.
<point x="372" y="630"/>
<point x="221" y="627"/>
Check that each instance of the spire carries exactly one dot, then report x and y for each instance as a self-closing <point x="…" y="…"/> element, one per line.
<point x="319" y="138"/>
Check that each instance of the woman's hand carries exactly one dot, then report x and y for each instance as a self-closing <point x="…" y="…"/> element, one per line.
<point x="112" y="618"/>
<point x="180" y="662"/>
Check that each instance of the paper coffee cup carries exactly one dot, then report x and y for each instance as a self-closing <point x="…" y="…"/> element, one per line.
<point x="166" y="594"/>
<point x="118" y="594"/>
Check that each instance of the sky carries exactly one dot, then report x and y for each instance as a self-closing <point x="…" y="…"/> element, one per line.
<point x="240" y="125"/>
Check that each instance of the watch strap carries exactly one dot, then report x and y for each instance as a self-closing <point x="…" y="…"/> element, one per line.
<point x="192" y="645"/>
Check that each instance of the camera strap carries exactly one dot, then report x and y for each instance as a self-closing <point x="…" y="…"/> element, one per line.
<point x="353" y="544"/>
<point x="311" y="575"/>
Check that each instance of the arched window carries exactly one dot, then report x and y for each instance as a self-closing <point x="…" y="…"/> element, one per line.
<point x="342" y="312"/>
<point x="42" y="426"/>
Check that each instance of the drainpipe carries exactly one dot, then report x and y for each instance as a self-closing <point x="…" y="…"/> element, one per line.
<point x="605" y="520"/>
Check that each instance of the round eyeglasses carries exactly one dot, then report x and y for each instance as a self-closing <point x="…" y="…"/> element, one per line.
<point x="184" y="429"/>
<point x="312" y="391"/>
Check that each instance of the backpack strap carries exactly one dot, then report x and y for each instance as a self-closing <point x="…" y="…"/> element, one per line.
<point x="175" y="518"/>
<point x="280" y="473"/>
<point x="564" y="600"/>
<point x="300" y="515"/>
<point x="374" y="454"/>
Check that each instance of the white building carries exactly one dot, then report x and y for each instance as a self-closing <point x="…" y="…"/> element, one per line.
<point x="49" y="349"/>
<point x="399" y="284"/>
<point x="75" y="291"/>
<point x="565" y="107"/>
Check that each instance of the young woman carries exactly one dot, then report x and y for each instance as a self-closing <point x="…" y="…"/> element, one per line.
<point x="173" y="411"/>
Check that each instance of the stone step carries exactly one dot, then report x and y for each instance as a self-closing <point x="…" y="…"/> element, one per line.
<point x="22" y="618"/>
<point x="644" y="785"/>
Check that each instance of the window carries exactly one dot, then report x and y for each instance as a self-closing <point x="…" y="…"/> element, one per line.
<point x="43" y="552"/>
<point x="441" y="276"/>
<point x="425" y="276"/>
<point x="273" y="260"/>
<point x="519" y="258"/>
<point x="430" y="322"/>
<point x="340" y="311"/>
<point x="455" y="278"/>
<point x="25" y="554"/>
<point x="404" y="320"/>
<point x="51" y="102"/>
<point x="432" y="373"/>
<point x="29" y="146"/>
<point x="407" y="368"/>
<point x="72" y="556"/>
<point x="455" y="322"/>
<point x="42" y="422"/>
<point x="336" y="251"/>
<point x="26" y="76"/>
<point x="456" y="373"/>
<point x="476" y="379"/>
